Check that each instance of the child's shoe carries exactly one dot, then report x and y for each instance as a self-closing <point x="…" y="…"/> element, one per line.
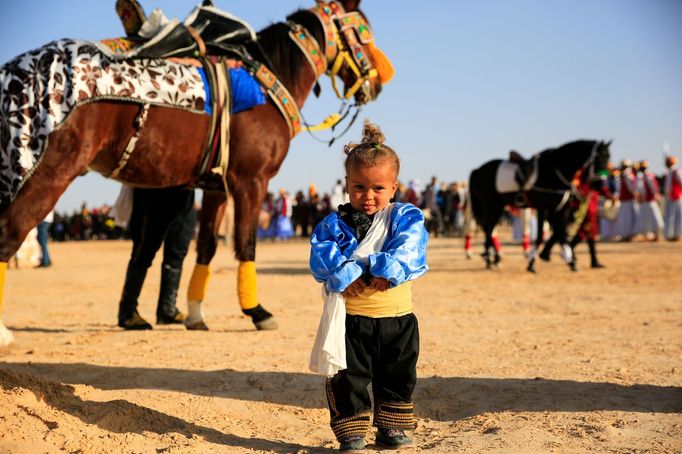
<point x="392" y="438"/>
<point x="353" y="444"/>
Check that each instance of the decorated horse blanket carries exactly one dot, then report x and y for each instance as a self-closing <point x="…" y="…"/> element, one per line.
<point x="40" y="88"/>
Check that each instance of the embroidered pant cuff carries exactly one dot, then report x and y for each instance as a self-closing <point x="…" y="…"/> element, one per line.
<point x="354" y="426"/>
<point x="395" y="415"/>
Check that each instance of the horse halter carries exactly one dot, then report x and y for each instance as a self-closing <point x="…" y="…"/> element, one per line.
<point x="345" y="34"/>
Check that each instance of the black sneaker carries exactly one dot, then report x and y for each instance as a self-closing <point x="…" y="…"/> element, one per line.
<point x="392" y="438"/>
<point x="353" y="444"/>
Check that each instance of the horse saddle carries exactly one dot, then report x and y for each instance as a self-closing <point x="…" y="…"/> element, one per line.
<point x="207" y="29"/>
<point x="517" y="174"/>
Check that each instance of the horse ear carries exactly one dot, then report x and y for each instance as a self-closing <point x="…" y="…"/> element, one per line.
<point x="350" y="5"/>
<point x="608" y="143"/>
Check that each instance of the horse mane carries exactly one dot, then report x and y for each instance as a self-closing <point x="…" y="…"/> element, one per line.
<point x="285" y="55"/>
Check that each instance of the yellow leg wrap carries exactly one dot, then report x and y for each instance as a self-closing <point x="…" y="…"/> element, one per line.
<point x="3" y="268"/>
<point x="199" y="282"/>
<point x="246" y="285"/>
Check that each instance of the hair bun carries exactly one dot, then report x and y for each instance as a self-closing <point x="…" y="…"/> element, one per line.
<point x="372" y="134"/>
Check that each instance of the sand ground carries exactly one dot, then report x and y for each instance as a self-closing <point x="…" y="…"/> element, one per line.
<point x="510" y="362"/>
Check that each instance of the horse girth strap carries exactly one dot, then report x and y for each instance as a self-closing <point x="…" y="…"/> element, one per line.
<point x="139" y="122"/>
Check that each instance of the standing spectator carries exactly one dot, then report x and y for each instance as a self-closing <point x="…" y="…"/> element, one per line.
<point x="609" y="208"/>
<point x="300" y="216"/>
<point x="626" y="222"/>
<point x="338" y="196"/>
<point x="672" y="188"/>
<point x="283" y="227"/>
<point x="651" y="221"/>
<point x="430" y="203"/>
<point x="267" y="223"/>
<point x="413" y="194"/>
<point x="43" y="230"/>
<point x="159" y="216"/>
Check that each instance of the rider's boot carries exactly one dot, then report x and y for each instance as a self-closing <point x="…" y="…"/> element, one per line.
<point x="166" y="310"/>
<point x="128" y="317"/>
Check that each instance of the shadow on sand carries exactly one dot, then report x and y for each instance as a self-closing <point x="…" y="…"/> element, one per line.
<point x="437" y="398"/>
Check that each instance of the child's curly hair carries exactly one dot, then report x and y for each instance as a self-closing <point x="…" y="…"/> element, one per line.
<point x="370" y="150"/>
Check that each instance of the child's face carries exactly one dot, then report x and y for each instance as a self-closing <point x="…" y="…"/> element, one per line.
<point x="370" y="189"/>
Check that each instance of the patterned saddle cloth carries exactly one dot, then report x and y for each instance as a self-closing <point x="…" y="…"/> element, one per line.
<point x="40" y="88"/>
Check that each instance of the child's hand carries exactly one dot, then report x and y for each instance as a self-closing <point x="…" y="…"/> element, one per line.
<point x="355" y="288"/>
<point x="379" y="283"/>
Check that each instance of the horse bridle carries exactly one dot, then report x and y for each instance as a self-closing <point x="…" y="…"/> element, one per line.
<point x="345" y="34"/>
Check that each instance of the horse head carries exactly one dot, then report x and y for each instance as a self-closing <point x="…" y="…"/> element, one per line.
<point x="351" y="51"/>
<point x="601" y="159"/>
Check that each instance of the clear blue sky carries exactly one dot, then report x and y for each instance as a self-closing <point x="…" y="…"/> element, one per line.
<point x="473" y="79"/>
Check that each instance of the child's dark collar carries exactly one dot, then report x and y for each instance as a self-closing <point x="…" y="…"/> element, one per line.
<point x="357" y="220"/>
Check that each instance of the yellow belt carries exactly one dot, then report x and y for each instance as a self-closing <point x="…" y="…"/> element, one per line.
<point x="393" y="302"/>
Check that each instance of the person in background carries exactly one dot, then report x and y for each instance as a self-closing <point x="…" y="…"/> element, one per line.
<point x="159" y="216"/>
<point x="282" y="217"/>
<point x="430" y="203"/>
<point x="672" y="188"/>
<point x="338" y="196"/>
<point x="43" y="234"/>
<point x="626" y="222"/>
<point x="650" y="218"/>
<point x="300" y="216"/>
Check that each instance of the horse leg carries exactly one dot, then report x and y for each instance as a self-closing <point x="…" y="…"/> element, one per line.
<point x="534" y="248"/>
<point x="560" y="226"/>
<point x="488" y="245"/>
<point x="248" y="196"/>
<point x="213" y="206"/>
<point x="67" y="156"/>
<point x="497" y="247"/>
<point x="6" y="337"/>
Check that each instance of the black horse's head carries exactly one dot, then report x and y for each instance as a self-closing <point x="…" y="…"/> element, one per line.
<point x="598" y="168"/>
<point x="602" y="157"/>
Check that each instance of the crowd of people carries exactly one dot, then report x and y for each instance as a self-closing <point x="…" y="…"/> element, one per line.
<point x="284" y="217"/>
<point x="648" y="205"/>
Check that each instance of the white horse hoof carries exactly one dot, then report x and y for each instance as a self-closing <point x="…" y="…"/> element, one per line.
<point x="6" y="337"/>
<point x="266" y="325"/>
<point x="196" y="325"/>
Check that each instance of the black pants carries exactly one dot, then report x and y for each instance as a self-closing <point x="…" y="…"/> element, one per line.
<point x="383" y="352"/>
<point x="161" y="216"/>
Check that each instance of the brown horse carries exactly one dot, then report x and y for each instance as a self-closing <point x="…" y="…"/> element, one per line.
<point x="170" y="148"/>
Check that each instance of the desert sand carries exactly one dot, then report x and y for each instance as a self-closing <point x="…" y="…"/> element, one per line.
<point x="510" y="362"/>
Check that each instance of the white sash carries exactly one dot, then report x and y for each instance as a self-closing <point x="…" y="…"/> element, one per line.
<point x="329" y="351"/>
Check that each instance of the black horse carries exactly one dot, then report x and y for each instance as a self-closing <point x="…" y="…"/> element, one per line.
<point x="548" y="194"/>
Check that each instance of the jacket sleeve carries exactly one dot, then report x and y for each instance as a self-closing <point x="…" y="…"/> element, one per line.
<point x="403" y="257"/>
<point x="331" y="246"/>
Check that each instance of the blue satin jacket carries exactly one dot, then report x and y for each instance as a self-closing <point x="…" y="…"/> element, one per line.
<point x="402" y="258"/>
